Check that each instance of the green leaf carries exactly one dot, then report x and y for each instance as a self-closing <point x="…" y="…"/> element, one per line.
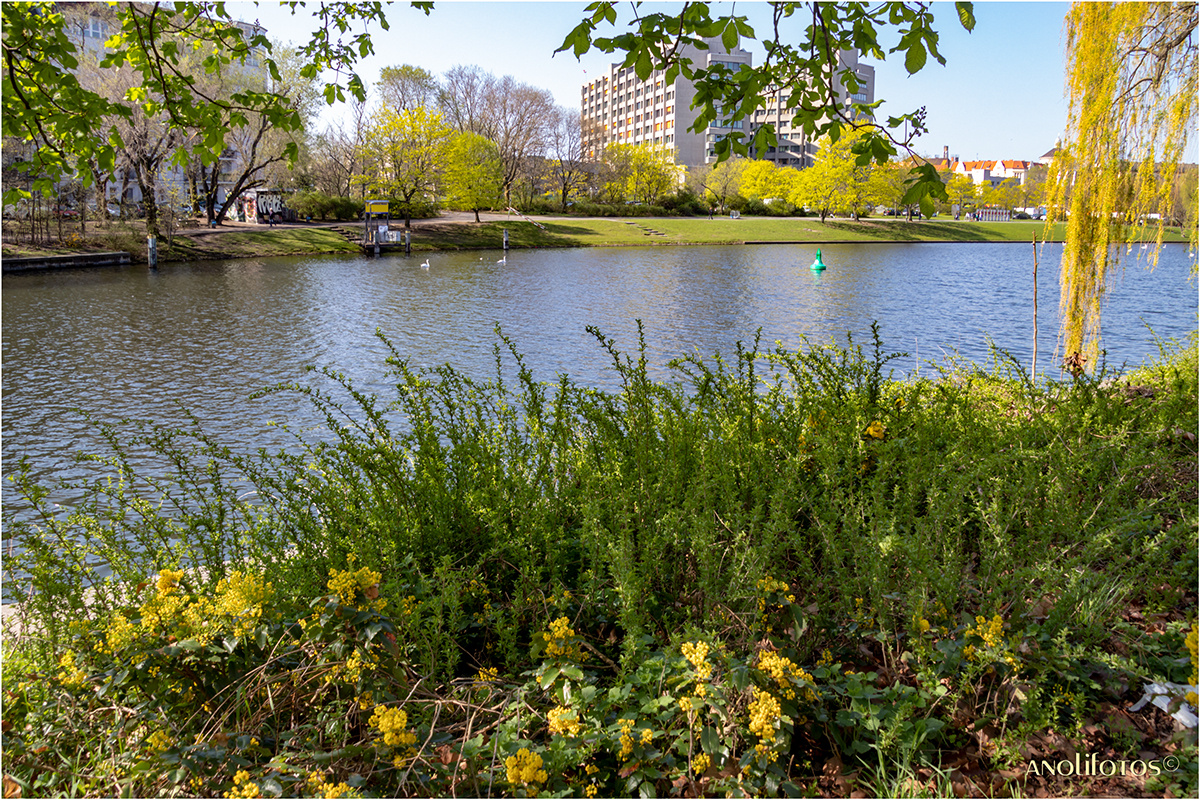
<point x="644" y="66"/>
<point x="926" y="204"/>
<point x="915" y="59"/>
<point x="548" y="677"/>
<point x="966" y="15"/>
<point x="709" y="741"/>
<point x="729" y="37"/>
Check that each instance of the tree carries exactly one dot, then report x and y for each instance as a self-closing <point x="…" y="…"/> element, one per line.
<point x="339" y="158"/>
<point x="44" y="104"/>
<point x="1033" y="190"/>
<point x="822" y="187"/>
<point x="652" y="172"/>
<point x="724" y="181"/>
<point x="472" y="175"/>
<point x="565" y="153"/>
<point x="409" y="148"/>
<point x="74" y="130"/>
<point x="888" y="184"/>
<point x="406" y="87"/>
<point x="762" y="179"/>
<point x="1132" y="89"/>
<point x="960" y="188"/>
<point x="254" y="148"/>
<point x="805" y="70"/>
<point x="1007" y="195"/>
<point x="513" y="115"/>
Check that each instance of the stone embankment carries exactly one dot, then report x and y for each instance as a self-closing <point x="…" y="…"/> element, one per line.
<point x="71" y="261"/>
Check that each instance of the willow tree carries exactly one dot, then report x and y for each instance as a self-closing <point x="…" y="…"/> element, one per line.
<point x="1131" y="84"/>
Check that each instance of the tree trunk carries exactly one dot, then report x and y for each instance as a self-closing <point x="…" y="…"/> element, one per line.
<point x="145" y="179"/>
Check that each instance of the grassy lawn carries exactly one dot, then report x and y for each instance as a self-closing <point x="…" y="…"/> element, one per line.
<point x="616" y="232"/>
<point x="259" y="244"/>
<point x="554" y="232"/>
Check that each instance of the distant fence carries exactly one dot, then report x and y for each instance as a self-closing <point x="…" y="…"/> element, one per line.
<point x="993" y="215"/>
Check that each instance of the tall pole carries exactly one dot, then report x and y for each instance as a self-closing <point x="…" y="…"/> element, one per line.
<point x="1035" y="327"/>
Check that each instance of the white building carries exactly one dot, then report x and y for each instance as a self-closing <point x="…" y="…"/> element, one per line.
<point x="619" y="108"/>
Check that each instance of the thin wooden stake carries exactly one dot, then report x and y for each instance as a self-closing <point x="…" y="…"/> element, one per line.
<point x="1035" y="325"/>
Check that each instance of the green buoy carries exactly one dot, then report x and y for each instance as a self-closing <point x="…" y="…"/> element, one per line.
<point x="818" y="265"/>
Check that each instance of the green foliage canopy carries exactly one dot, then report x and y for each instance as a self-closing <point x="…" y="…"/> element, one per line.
<point x="806" y="70"/>
<point x="72" y="128"/>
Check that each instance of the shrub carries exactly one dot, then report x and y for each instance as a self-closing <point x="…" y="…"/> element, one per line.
<point x="816" y="559"/>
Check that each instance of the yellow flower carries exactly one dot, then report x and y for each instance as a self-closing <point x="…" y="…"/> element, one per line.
<point x="159" y="741"/>
<point x="700" y="764"/>
<point x="69" y="674"/>
<point x="243" y="786"/>
<point x="558" y="639"/>
<point x="525" y="767"/>
<point x="1192" y="642"/>
<point x="626" y="737"/>
<point x="764" y="712"/>
<point x="875" y="430"/>
<point x="785" y="673"/>
<point x="563" y="721"/>
<point x="168" y="581"/>
<point x="349" y="585"/>
<point x="392" y="723"/>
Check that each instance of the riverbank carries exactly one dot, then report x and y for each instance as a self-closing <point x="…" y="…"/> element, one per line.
<point x="457" y="232"/>
<point x="840" y="586"/>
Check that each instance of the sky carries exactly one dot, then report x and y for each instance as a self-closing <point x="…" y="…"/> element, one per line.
<point x="1000" y="94"/>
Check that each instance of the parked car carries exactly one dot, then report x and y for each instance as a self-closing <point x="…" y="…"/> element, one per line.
<point x="66" y="212"/>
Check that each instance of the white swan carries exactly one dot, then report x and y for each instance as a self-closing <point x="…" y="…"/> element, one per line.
<point x="503" y="260"/>
<point x="426" y="264"/>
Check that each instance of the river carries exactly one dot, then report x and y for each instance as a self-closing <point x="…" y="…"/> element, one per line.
<point x="203" y="336"/>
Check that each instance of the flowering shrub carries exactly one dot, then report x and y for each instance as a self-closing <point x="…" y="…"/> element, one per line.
<point x="509" y="573"/>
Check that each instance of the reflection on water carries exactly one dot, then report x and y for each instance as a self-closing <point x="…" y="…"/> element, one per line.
<point x="204" y="336"/>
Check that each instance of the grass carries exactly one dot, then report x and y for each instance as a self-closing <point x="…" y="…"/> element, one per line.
<point x="259" y="244"/>
<point x="606" y="232"/>
<point x="556" y="232"/>
<point x="821" y="579"/>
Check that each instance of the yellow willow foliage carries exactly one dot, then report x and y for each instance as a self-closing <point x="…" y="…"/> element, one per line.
<point x="1131" y="84"/>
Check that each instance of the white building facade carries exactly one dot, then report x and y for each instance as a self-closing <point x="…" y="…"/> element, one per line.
<point x="619" y="108"/>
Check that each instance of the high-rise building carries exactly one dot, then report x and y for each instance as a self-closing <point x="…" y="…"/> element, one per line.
<point x="619" y="108"/>
<point x="792" y="149"/>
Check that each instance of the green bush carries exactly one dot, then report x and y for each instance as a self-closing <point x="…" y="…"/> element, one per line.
<point x="930" y="556"/>
<point x="319" y="205"/>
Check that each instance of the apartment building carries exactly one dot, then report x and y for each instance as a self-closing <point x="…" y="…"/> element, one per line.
<point x="793" y="149"/>
<point x="619" y="108"/>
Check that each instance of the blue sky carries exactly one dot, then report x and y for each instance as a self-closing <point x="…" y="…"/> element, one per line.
<point x="1000" y="94"/>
